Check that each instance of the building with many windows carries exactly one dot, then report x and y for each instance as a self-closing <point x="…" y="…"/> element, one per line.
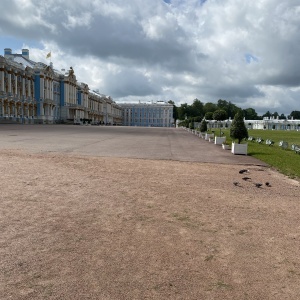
<point x="154" y="114"/>
<point x="265" y="124"/>
<point x="33" y="92"/>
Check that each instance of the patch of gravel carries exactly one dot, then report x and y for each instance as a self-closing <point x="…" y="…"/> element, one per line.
<point x="112" y="228"/>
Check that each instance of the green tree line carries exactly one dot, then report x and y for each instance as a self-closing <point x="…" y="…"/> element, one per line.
<point x="223" y="110"/>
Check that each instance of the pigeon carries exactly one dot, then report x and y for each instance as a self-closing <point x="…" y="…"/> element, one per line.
<point x="268" y="184"/>
<point x="246" y="178"/>
<point x="243" y="171"/>
<point x="258" y="185"/>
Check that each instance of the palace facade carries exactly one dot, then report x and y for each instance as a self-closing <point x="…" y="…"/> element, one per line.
<point x="265" y="124"/>
<point x="153" y="114"/>
<point x="33" y="92"/>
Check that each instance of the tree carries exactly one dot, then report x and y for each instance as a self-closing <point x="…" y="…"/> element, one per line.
<point x="220" y="115"/>
<point x="282" y="117"/>
<point x="230" y="108"/>
<point x="196" y="109"/>
<point x="198" y="119"/>
<point x="183" y="111"/>
<point x="267" y="115"/>
<point x="222" y="104"/>
<point x="209" y="115"/>
<point x="250" y="114"/>
<point x="209" y="107"/>
<point x="203" y="126"/>
<point x="295" y="114"/>
<point x="238" y="130"/>
<point x="175" y="110"/>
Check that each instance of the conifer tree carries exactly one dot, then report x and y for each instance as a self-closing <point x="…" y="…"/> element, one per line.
<point x="238" y="129"/>
<point x="203" y="126"/>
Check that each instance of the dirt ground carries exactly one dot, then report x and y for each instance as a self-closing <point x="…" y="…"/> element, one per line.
<point x="113" y="228"/>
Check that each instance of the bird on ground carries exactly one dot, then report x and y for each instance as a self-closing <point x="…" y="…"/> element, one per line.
<point x="246" y="178"/>
<point x="243" y="171"/>
<point x="268" y="184"/>
<point x="258" y="185"/>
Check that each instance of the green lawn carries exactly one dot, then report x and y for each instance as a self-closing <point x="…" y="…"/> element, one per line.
<point x="285" y="161"/>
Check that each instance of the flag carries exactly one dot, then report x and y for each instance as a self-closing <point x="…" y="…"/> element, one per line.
<point x="48" y="55"/>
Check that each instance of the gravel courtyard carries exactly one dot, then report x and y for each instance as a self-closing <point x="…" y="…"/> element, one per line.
<point x="83" y="220"/>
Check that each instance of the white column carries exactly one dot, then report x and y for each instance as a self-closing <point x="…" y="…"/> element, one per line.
<point x="23" y="86"/>
<point x="52" y="90"/>
<point x="67" y="93"/>
<point x="16" y="85"/>
<point x="29" y="87"/>
<point x="74" y="94"/>
<point x="41" y="87"/>
<point x="47" y="88"/>
<point x="49" y="92"/>
<point x="9" y="82"/>
<point x="71" y="93"/>
<point x="32" y="90"/>
<point x="2" y="81"/>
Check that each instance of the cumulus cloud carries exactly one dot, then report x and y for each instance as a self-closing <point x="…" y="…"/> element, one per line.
<point x="245" y="52"/>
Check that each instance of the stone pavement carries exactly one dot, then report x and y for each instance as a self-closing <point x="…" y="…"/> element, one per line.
<point x="118" y="141"/>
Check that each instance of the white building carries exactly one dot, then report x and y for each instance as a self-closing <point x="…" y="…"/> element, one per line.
<point x="154" y="114"/>
<point x="266" y="124"/>
<point x="273" y="124"/>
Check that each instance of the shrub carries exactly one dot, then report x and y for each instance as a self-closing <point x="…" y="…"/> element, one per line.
<point x="191" y="125"/>
<point x="203" y="126"/>
<point x="238" y="130"/>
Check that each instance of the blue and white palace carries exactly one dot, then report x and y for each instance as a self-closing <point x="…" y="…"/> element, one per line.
<point x="32" y="92"/>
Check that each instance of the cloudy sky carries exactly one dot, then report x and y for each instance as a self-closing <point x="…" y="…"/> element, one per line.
<point x="246" y="52"/>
